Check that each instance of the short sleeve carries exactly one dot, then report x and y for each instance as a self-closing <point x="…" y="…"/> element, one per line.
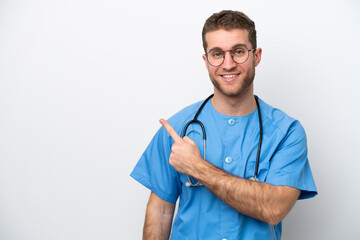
<point x="289" y="165"/>
<point x="154" y="171"/>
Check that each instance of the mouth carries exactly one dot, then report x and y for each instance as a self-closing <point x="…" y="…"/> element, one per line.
<point x="229" y="77"/>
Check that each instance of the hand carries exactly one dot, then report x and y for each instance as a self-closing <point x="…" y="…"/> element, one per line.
<point x="185" y="155"/>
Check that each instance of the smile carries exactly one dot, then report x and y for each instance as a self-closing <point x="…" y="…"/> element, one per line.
<point x="229" y="77"/>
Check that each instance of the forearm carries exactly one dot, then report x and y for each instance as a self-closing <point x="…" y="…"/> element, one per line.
<point x="158" y="219"/>
<point x="157" y="226"/>
<point x="259" y="200"/>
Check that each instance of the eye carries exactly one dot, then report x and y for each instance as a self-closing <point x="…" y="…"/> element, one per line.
<point x="239" y="51"/>
<point x="216" y="54"/>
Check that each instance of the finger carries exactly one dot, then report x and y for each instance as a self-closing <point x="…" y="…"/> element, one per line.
<point x="170" y="130"/>
<point x="189" y="140"/>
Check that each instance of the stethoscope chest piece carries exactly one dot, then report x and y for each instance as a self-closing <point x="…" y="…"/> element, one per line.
<point x="191" y="184"/>
<point x="253" y="179"/>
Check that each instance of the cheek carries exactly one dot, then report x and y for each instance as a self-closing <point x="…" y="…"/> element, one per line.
<point x="212" y="70"/>
<point x="248" y="67"/>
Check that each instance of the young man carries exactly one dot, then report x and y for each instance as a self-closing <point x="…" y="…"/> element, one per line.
<point x="255" y="165"/>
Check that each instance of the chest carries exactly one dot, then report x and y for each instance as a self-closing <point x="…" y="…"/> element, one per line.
<point x="231" y="143"/>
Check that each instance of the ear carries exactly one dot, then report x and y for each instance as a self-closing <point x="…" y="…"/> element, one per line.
<point x="205" y="61"/>
<point x="257" y="54"/>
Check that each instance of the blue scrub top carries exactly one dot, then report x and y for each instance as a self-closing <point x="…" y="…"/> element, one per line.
<point x="231" y="144"/>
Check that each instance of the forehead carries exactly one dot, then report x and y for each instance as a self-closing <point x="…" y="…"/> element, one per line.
<point x="226" y="39"/>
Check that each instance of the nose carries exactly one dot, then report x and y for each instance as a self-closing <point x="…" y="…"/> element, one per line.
<point x="228" y="63"/>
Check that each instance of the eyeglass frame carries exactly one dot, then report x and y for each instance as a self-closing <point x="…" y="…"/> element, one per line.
<point x="232" y="56"/>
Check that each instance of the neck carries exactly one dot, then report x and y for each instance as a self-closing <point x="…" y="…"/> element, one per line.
<point x="240" y="105"/>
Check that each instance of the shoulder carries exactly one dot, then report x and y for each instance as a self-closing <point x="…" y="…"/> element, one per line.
<point x="278" y="121"/>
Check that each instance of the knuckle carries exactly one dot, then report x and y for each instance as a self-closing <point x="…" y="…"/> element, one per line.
<point x="174" y="146"/>
<point x="187" y="139"/>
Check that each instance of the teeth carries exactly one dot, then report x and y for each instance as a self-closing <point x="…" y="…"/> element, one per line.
<point x="229" y="76"/>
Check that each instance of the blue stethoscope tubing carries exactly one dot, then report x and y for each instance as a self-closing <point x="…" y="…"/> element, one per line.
<point x="196" y="121"/>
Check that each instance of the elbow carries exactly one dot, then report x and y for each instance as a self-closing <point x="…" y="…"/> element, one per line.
<point x="275" y="217"/>
<point x="274" y="221"/>
<point x="277" y="210"/>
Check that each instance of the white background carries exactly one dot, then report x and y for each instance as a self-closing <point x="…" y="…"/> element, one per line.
<point x="83" y="84"/>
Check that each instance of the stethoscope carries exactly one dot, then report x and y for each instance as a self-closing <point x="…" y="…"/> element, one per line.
<point x="195" y="120"/>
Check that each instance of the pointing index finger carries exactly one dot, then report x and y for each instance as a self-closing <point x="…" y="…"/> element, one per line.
<point x="170" y="130"/>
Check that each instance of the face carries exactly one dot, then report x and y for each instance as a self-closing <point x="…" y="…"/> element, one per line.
<point x="231" y="79"/>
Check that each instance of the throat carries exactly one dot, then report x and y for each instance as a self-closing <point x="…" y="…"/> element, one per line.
<point x="234" y="106"/>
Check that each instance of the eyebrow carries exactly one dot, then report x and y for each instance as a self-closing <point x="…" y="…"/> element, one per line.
<point x="234" y="47"/>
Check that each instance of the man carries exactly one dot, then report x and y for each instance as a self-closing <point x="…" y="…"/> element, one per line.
<point x="225" y="195"/>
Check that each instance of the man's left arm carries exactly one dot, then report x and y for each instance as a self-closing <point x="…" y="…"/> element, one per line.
<point x="259" y="200"/>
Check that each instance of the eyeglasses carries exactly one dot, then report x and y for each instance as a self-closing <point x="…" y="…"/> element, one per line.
<point x="239" y="55"/>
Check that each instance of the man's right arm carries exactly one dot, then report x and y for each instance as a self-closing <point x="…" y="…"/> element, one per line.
<point x="158" y="219"/>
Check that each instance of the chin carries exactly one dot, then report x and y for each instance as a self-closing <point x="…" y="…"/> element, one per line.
<point x="231" y="92"/>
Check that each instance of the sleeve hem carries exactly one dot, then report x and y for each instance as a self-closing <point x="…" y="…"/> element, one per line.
<point x="155" y="190"/>
<point x="306" y="191"/>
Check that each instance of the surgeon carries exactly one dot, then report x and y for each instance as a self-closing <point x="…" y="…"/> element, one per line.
<point x="239" y="166"/>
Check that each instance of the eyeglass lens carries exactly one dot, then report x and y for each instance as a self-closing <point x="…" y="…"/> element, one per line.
<point x="239" y="55"/>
